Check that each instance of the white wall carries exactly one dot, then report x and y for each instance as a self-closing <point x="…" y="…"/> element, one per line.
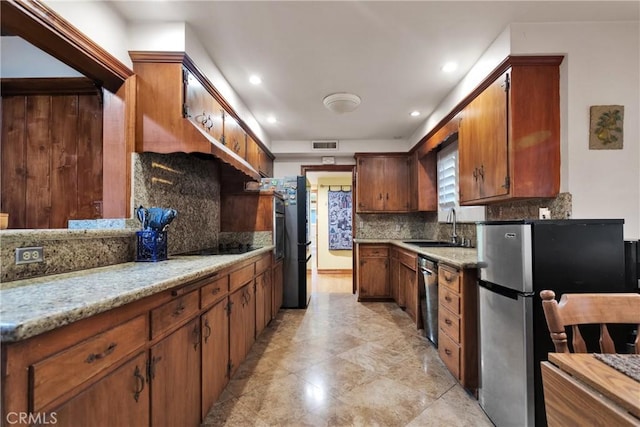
<point x="329" y="260"/>
<point x="288" y="166"/>
<point x="20" y="59"/>
<point x="601" y="67"/>
<point x="98" y="21"/>
<point x="160" y="36"/>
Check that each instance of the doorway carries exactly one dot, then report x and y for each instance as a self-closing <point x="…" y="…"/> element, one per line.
<point x="331" y="224"/>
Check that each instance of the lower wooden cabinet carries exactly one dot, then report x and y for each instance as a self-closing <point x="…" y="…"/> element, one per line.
<point x="174" y="378"/>
<point x="160" y="361"/>
<point x="215" y="354"/>
<point x="120" y="399"/>
<point x="278" y="286"/>
<point x="373" y="272"/>
<point x="457" y="323"/>
<point x="409" y="280"/>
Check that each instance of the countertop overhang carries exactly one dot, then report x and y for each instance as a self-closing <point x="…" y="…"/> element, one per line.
<point x="33" y="306"/>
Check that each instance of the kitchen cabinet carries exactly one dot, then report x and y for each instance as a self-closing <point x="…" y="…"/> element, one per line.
<point x="397" y="292"/>
<point x="408" y="283"/>
<point x="373" y="272"/>
<point x="235" y="137"/>
<point x="201" y="108"/>
<point x="382" y="182"/>
<point x="242" y="325"/>
<point x="264" y="290"/>
<point x="253" y="153"/>
<point x="457" y="323"/>
<point x="215" y="353"/>
<point x="265" y="163"/>
<point x="509" y="135"/>
<point x="174" y="378"/>
<point x="127" y="395"/>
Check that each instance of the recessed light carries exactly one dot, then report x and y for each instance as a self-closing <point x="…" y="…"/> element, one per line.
<point x="271" y="119"/>
<point x="415" y="113"/>
<point x="449" y="67"/>
<point x="256" y="80"/>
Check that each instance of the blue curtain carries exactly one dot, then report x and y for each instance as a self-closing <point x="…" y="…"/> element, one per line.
<point x="340" y="220"/>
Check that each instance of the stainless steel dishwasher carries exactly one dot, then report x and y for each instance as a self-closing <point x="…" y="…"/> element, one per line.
<point x="428" y="287"/>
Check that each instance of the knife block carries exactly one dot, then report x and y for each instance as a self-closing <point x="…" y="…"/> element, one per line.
<point x="151" y="246"/>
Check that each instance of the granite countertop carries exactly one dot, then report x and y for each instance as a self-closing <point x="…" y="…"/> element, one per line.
<point x="33" y="306"/>
<point x="455" y="256"/>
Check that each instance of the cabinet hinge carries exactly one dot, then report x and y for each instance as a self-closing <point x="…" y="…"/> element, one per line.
<point x="185" y="76"/>
<point x="222" y="140"/>
<point x="185" y="110"/>
<point x="507" y="182"/>
<point x="507" y="83"/>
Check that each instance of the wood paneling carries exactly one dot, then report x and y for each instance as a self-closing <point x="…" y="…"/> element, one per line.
<point x="51" y="159"/>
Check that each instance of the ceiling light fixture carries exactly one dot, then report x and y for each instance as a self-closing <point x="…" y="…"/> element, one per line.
<point x="449" y="67"/>
<point x="415" y="113"/>
<point x="341" y="102"/>
<point x="255" y="80"/>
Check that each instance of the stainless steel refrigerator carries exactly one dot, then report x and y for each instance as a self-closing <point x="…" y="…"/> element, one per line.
<point x="297" y="249"/>
<point x="517" y="260"/>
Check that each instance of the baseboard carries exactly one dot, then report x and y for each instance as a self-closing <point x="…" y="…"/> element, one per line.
<point x="329" y="271"/>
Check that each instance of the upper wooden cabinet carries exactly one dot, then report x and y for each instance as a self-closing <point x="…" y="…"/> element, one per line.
<point x="509" y="136"/>
<point x="178" y="110"/>
<point x="382" y="182"/>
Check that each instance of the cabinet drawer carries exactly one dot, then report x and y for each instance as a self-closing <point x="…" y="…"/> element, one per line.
<point x="450" y="324"/>
<point x="407" y="259"/>
<point x="214" y="291"/>
<point x="64" y="371"/>
<point x="448" y="276"/>
<point x="373" y="251"/>
<point x="173" y="312"/>
<point x="448" y="299"/>
<point x="240" y="277"/>
<point x="263" y="264"/>
<point x="449" y="352"/>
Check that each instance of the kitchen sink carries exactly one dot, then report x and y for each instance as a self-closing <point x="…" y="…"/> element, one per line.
<point x="431" y="243"/>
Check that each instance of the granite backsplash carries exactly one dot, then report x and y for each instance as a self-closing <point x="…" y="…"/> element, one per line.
<point x="425" y="225"/>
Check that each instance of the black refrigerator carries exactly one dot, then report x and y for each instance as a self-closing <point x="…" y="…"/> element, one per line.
<point x="517" y="260"/>
<point x="297" y="246"/>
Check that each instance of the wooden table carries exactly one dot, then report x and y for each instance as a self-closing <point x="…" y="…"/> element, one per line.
<point x="582" y="390"/>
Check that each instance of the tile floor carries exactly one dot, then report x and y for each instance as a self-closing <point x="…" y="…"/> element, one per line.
<point x="343" y="363"/>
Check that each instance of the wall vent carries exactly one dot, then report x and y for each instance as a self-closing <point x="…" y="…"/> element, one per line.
<point x="324" y="145"/>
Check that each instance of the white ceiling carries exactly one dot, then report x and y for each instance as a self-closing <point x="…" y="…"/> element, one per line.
<point x="389" y="53"/>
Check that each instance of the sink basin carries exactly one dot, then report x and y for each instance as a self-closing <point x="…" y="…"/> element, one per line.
<point x="430" y="243"/>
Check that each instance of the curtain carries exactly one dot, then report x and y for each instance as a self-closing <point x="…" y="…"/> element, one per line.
<point x="340" y="220"/>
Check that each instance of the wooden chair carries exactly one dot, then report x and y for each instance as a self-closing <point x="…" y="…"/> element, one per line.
<point x="582" y="309"/>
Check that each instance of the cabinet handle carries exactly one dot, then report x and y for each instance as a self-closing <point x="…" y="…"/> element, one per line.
<point x="97" y="356"/>
<point x="178" y="311"/>
<point x="387" y="196"/>
<point x="197" y="336"/>
<point x="380" y="196"/>
<point x="481" y="172"/>
<point x="447" y="298"/>
<point x="448" y="277"/>
<point x="140" y="385"/>
<point x="447" y="352"/>
<point x="215" y="291"/>
<point x="208" y="329"/>
<point x="448" y="322"/>
<point x="475" y="174"/>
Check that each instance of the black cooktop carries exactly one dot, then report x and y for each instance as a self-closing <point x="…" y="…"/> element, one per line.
<point x="225" y="249"/>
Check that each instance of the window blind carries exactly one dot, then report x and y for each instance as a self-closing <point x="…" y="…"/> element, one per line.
<point x="448" y="177"/>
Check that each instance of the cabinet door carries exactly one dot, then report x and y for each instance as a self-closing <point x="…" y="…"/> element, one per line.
<point x="249" y="317"/>
<point x="268" y="297"/>
<point x="215" y="354"/>
<point x="483" y="144"/>
<point x="234" y="136"/>
<point x="394" y="279"/>
<point x="260" y="299"/>
<point x="120" y="399"/>
<point x="374" y="278"/>
<point x="201" y="107"/>
<point x="253" y="153"/>
<point x="236" y="329"/>
<point x="370" y="182"/>
<point x="408" y="279"/>
<point x="396" y="184"/>
<point x="175" y="378"/>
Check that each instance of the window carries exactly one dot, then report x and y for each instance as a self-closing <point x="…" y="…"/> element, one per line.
<point x="448" y="194"/>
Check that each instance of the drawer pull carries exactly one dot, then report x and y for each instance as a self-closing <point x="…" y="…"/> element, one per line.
<point x="215" y="291"/>
<point x="178" y="311"/>
<point x="449" y="278"/>
<point x="97" y="356"/>
<point x="447" y="298"/>
<point x="447" y="321"/>
<point x="447" y="352"/>
<point x="208" y="329"/>
<point x="140" y="385"/>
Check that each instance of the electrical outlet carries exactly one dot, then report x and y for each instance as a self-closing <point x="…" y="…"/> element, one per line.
<point x="398" y="228"/>
<point x="29" y="255"/>
<point x="544" y="213"/>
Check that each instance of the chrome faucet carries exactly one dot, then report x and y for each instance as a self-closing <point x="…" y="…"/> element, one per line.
<point x="451" y="219"/>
